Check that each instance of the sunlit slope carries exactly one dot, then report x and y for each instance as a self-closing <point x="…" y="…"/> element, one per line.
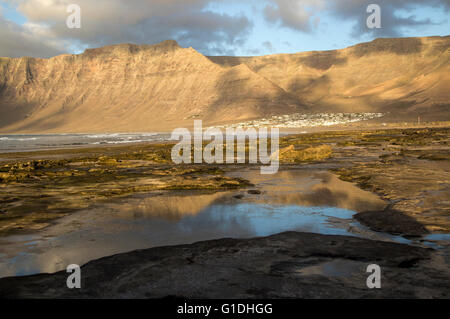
<point x="131" y="88"/>
<point x="126" y="88"/>
<point x="385" y="75"/>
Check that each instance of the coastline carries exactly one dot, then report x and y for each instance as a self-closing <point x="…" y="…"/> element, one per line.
<point x="390" y="163"/>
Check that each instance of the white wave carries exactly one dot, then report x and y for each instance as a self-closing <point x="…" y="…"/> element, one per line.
<point x="120" y="142"/>
<point x="121" y="135"/>
<point x="18" y="139"/>
<point x="103" y="135"/>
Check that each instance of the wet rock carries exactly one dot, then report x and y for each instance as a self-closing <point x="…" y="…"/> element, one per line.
<point x="408" y="178"/>
<point x="392" y="222"/>
<point x="436" y="156"/>
<point x="287" y="265"/>
<point x="254" y="192"/>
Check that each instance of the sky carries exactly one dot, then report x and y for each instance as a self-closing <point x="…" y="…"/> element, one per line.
<point x="213" y="27"/>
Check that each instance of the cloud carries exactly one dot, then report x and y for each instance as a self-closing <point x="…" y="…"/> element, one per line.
<point x="192" y="22"/>
<point x="392" y="23"/>
<point x="117" y="21"/>
<point x="26" y="40"/>
<point x="293" y="14"/>
<point x="267" y="45"/>
<point x="301" y="15"/>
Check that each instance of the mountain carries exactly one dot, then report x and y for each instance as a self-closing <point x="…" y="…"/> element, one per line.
<point x="139" y="88"/>
<point x="401" y="75"/>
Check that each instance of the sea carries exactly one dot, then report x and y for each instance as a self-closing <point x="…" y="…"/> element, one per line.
<point x="36" y="142"/>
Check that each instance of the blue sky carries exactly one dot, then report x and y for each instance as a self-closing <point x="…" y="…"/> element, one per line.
<point x="285" y="40"/>
<point x="332" y="33"/>
<point x="214" y="27"/>
<point x="9" y="12"/>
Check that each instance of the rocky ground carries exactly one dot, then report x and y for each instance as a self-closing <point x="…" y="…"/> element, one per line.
<point x="35" y="192"/>
<point x="408" y="168"/>
<point x="288" y="265"/>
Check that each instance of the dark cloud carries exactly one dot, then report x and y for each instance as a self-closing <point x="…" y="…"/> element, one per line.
<point x="267" y="45"/>
<point x="18" y="41"/>
<point x="116" y="21"/>
<point x="302" y="15"/>
<point x="392" y="23"/>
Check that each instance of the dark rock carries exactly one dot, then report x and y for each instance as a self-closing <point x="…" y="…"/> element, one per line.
<point x="287" y="265"/>
<point x="392" y="222"/>
<point x="254" y="192"/>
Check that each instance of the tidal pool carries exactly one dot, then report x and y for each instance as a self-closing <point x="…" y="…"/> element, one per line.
<point x="292" y="200"/>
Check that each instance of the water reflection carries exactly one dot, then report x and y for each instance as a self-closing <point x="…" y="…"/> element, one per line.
<point x="305" y="188"/>
<point x="244" y="220"/>
<point x="172" y="207"/>
<point x="291" y="200"/>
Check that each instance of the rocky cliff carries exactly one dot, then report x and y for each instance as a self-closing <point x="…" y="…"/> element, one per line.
<point x="125" y="88"/>
<point x="403" y="76"/>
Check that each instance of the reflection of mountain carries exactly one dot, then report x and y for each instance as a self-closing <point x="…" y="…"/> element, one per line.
<point x="336" y="193"/>
<point x="324" y="189"/>
<point x="156" y="87"/>
<point x="171" y="207"/>
<point x="300" y="188"/>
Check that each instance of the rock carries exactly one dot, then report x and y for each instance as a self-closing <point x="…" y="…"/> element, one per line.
<point x="287" y="265"/>
<point x="392" y="222"/>
<point x="254" y="192"/>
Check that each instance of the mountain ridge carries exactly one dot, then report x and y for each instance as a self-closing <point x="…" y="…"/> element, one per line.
<point x="129" y="87"/>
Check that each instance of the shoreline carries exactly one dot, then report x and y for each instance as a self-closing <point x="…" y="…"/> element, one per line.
<point x="364" y="125"/>
<point x="406" y="168"/>
<point x="349" y="127"/>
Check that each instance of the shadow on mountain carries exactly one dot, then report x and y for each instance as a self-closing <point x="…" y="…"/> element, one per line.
<point x="399" y="46"/>
<point x="323" y="60"/>
<point x="243" y="94"/>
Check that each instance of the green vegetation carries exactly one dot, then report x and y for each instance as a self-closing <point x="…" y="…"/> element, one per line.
<point x="291" y="155"/>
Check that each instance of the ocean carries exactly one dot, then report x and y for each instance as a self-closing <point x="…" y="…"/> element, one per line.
<point x="34" y="142"/>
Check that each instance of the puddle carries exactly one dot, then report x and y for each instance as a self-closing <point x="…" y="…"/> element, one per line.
<point x="310" y="188"/>
<point x="297" y="200"/>
<point x="438" y="237"/>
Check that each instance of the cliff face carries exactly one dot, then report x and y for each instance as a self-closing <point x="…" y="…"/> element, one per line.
<point x="127" y="87"/>
<point x="388" y="75"/>
<point x="131" y="88"/>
